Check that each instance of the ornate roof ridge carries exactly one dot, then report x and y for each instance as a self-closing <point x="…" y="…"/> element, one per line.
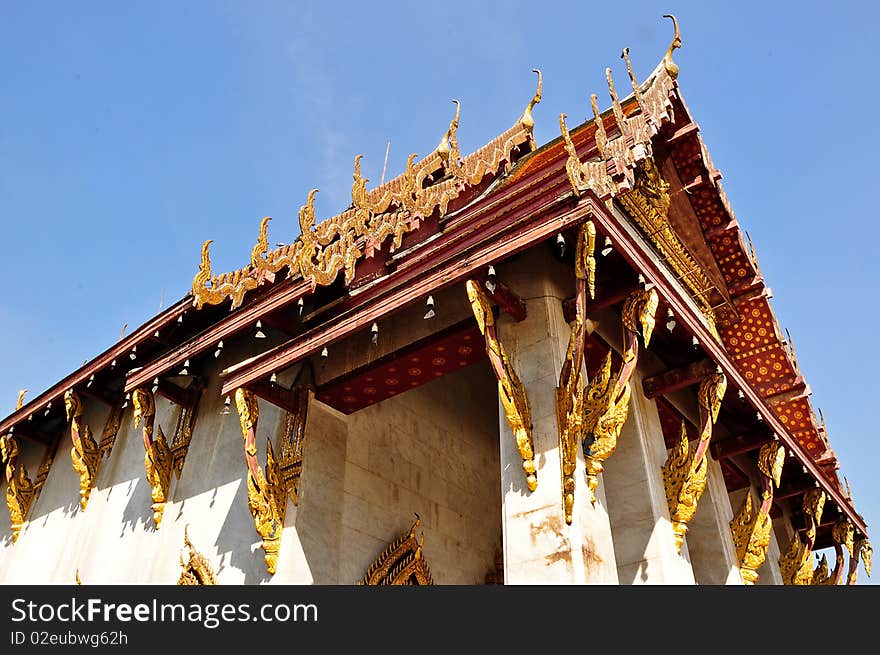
<point x="393" y="209"/>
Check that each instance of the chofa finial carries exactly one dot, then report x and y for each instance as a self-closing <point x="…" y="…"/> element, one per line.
<point x="527" y="121"/>
<point x="262" y="245"/>
<point x="444" y="149"/>
<point x="671" y="66"/>
<point x="20" y="402"/>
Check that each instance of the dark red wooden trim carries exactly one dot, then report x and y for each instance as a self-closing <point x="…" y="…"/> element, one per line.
<point x="183" y="396"/>
<point x="742" y="443"/>
<point x="242" y="319"/>
<point x="677" y="379"/>
<point x="32" y="434"/>
<point x="731" y="470"/>
<point x="276" y="395"/>
<point x="81" y="375"/>
<point x="403" y="351"/>
<point x="568" y="305"/>
<point x="506" y="299"/>
<point x="794" y="490"/>
<point x="97" y="394"/>
<point x="411" y="284"/>
<point x="637" y="253"/>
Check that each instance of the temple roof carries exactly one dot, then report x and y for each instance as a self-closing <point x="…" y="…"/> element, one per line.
<point x="643" y="141"/>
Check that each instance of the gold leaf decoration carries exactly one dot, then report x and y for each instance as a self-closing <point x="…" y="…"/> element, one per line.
<point x="85" y="454"/>
<point x="401" y="563"/>
<point x="751" y="529"/>
<point x="267" y="495"/>
<point x="394" y="209"/>
<point x="157" y="456"/>
<point x="511" y="391"/>
<point x="570" y="392"/>
<point x="195" y="569"/>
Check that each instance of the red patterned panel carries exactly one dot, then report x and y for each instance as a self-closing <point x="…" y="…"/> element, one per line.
<point x="688" y="163"/>
<point x="754" y="332"/>
<point x="797" y="416"/>
<point x="732" y="259"/>
<point x="406" y="369"/>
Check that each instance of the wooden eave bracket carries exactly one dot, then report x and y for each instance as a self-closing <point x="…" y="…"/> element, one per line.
<point x="677" y="379"/>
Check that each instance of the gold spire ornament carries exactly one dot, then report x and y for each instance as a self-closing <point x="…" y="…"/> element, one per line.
<point x="85" y="454"/>
<point x="207" y="290"/>
<point x="401" y="563"/>
<point x="511" y="391"/>
<point x="685" y="473"/>
<point x="751" y="530"/>
<point x="267" y="494"/>
<point x="391" y="210"/>
<point x="670" y="66"/>
<point x="195" y="569"/>
<point x="570" y="392"/>
<point x="821" y="577"/>
<point x="157" y="456"/>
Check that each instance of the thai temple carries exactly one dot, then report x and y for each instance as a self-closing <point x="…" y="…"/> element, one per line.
<point x="531" y="364"/>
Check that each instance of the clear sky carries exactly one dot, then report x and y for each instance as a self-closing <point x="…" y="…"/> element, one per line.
<point x="132" y="132"/>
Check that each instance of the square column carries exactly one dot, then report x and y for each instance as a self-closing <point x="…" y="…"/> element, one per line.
<point x="709" y="539"/>
<point x="644" y="543"/>
<point x="539" y="548"/>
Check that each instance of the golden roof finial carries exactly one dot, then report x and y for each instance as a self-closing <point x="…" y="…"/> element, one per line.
<point x="619" y="117"/>
<point x="359" y="186"/>
<point x="527" y="121"/>
<point x="20" y="402"/>
<point x="601" y="135"/>
<point x="262" y="246"/>
<point x="447" y="143"/>
<point x="572" y="165"/>
<point x="671" y="66"/>
<point x="635" y="83"/>
<point x="307" y="213"/>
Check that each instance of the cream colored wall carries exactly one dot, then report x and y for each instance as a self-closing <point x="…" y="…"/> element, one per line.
<point x="431" y="451"/>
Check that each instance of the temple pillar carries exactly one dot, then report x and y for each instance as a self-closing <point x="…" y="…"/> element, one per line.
<point x="709" y="539"/>
<point x="644" y="543"/>
<point x="539" y="548"/>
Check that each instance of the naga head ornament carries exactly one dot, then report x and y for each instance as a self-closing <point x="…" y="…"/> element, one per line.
<point x="866" y="551"/>
<point x="262" y="245"/>
<point x="448" y="143"/>
<point x="307" y="213"/>
<point x="843" y="532"/>
<point x="480" y="304"/>
<point x="668" y="63"/>
<point x="771" y="459"/>
<point x="527" y="121"/>
<point x="248" y="410"/>
<point x="72" y="405"/>
<point x="144" y="405"/>
<point x="814" y="503"/>
<point x="641" y="305"/>
<point x="711" y="394"/>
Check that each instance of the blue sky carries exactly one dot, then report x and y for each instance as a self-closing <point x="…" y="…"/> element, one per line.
<point x="131" y="133"/>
